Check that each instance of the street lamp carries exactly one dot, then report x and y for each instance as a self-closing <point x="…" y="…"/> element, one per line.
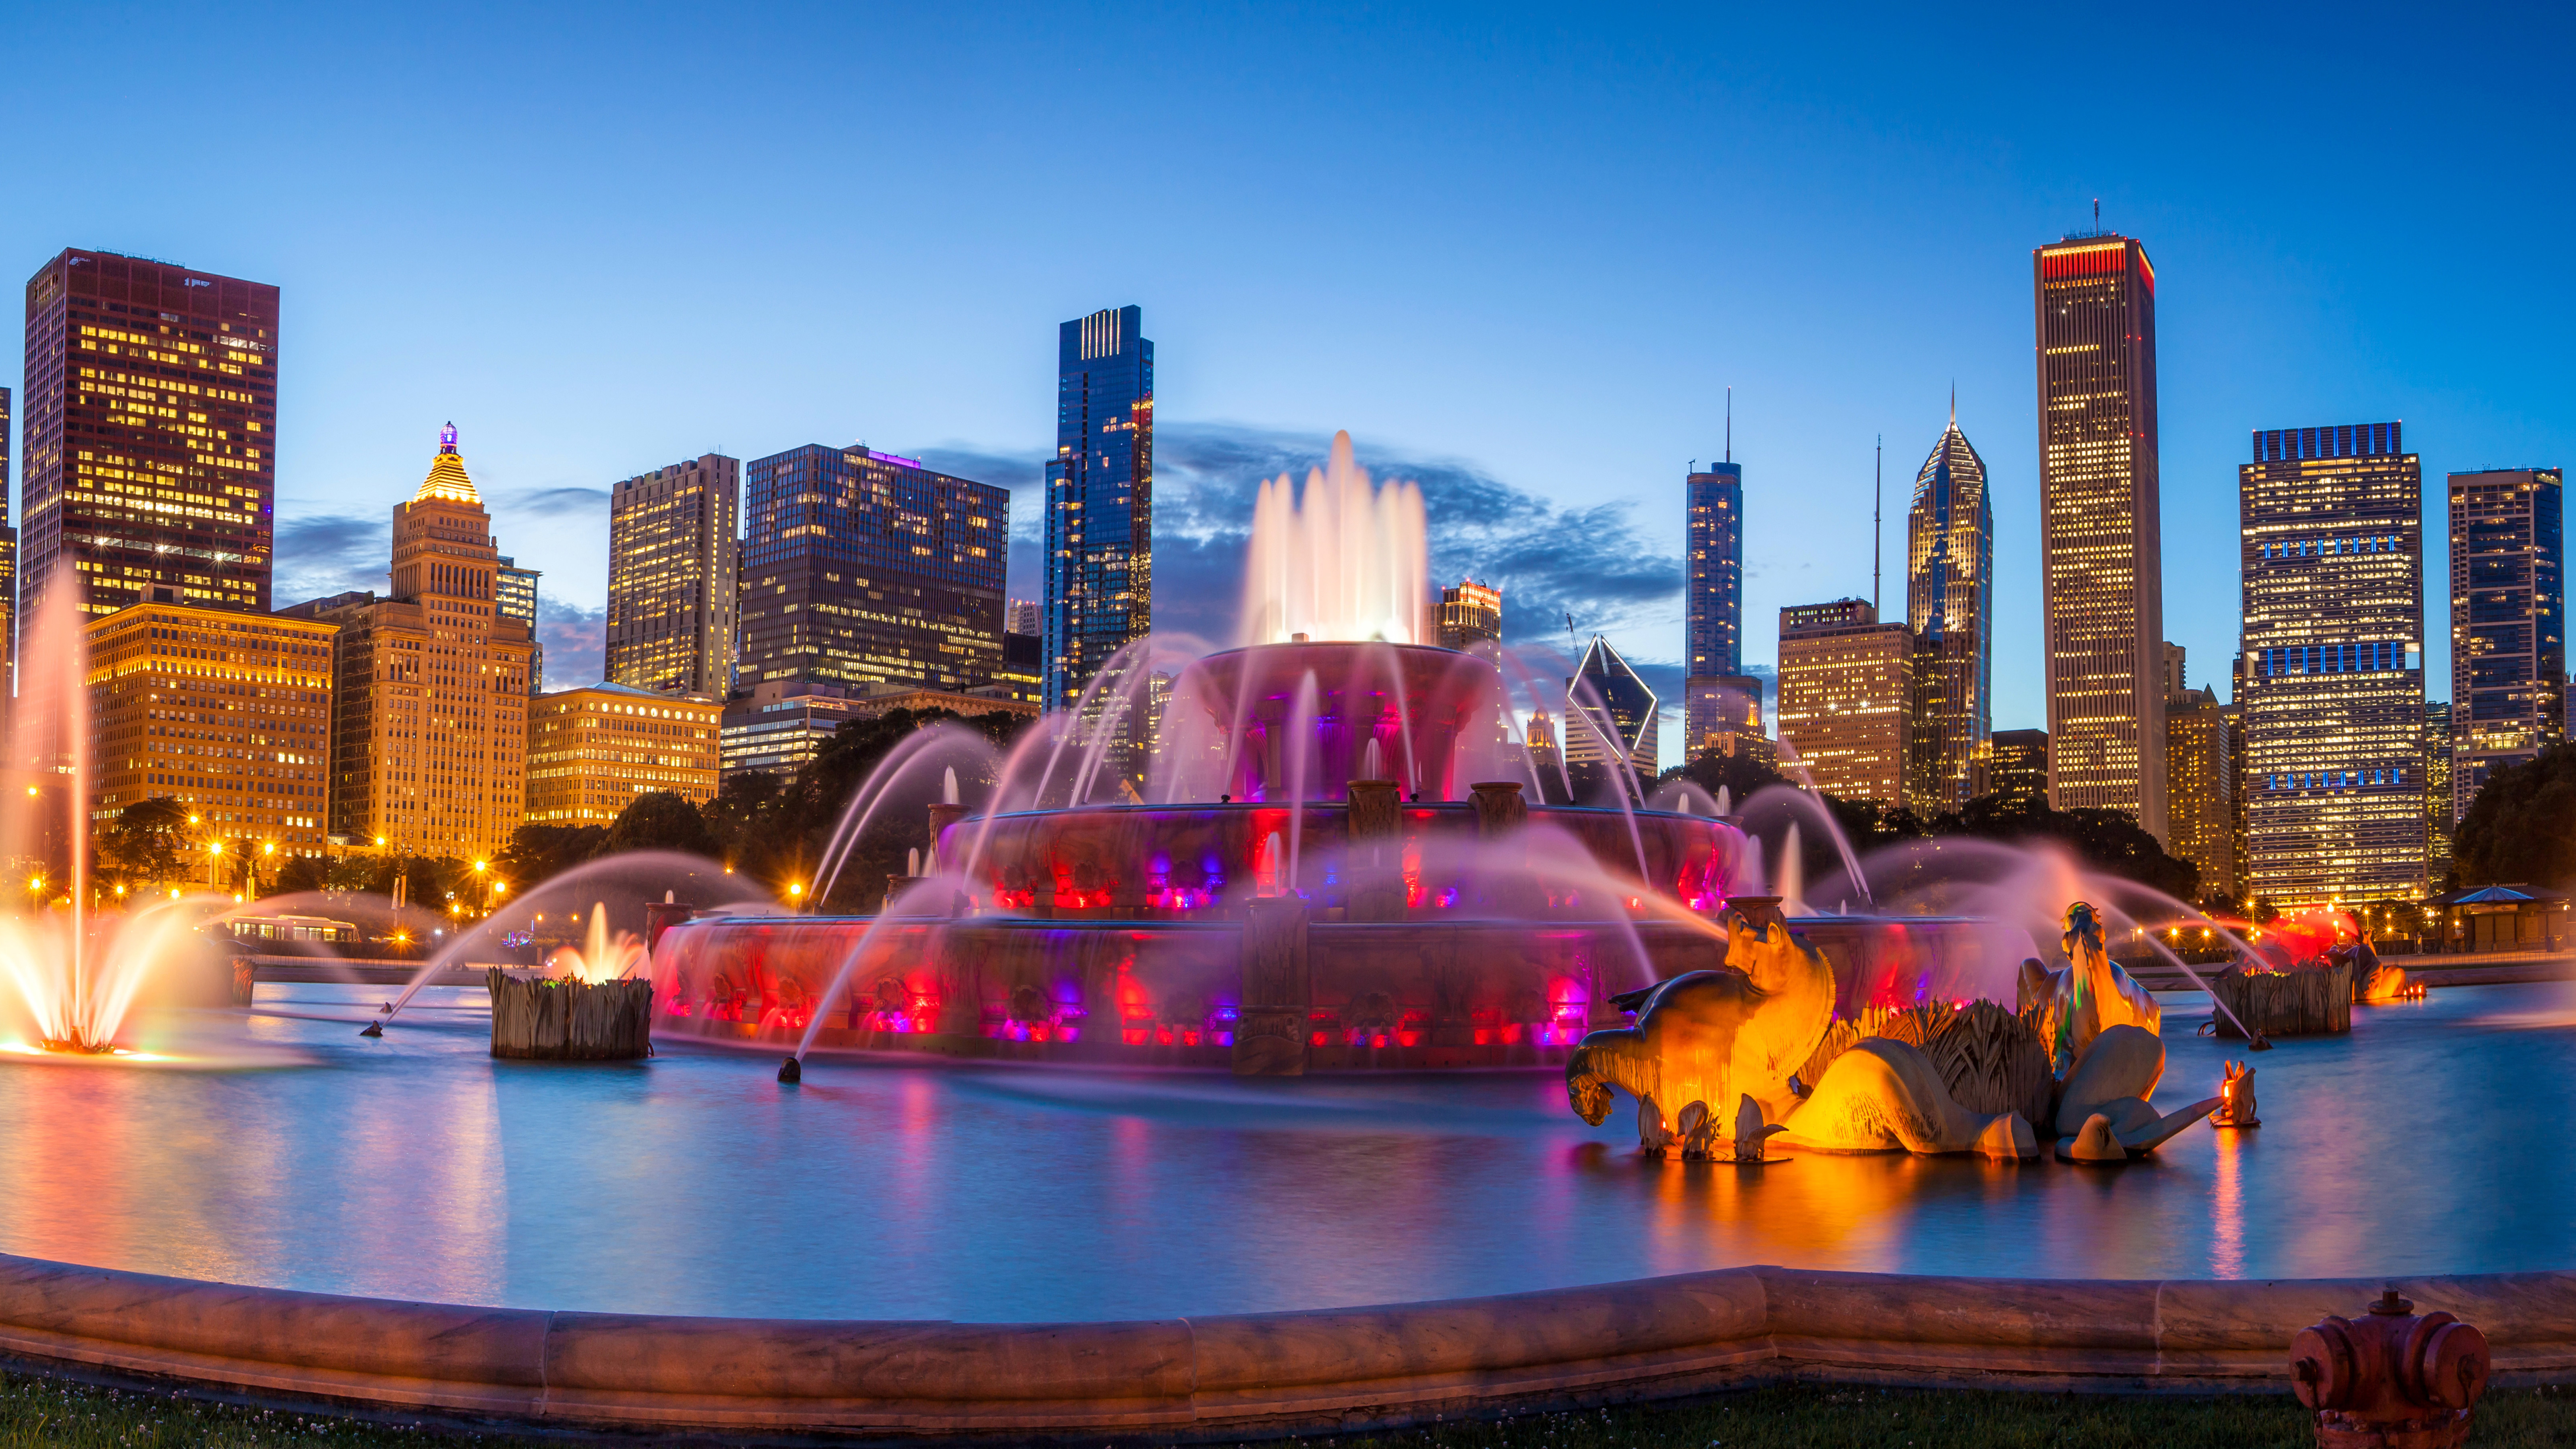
<point x="214" y="856"/>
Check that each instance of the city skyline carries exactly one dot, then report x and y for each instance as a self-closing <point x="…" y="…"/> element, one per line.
<point x="1835" y="246"/>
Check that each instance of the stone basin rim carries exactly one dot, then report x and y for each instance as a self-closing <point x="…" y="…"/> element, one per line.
<point x="1230" y="1376"/>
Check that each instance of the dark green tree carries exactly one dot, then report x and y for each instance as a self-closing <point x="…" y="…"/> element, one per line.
<point x="660" y="820"/>
<point x="2521" y="828"/>
<point x="538" y="853"/>
<point x="149" y="844"/>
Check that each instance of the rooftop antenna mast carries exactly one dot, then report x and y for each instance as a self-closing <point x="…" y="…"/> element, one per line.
<point x="1730" y="425"/>
<point x="1877" y="497"/>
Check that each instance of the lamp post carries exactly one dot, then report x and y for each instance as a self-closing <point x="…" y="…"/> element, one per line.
<point x="214" y="858"/>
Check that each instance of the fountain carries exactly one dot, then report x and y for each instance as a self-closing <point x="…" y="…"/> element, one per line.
<point x="1332" y="862"/>
<point x="77" y="974"/>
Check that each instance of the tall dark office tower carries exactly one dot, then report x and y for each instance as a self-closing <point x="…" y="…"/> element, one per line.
<point x="151" y="434"/>
<point x="2333" y="567"/>
<point x="865" y="569"/>
<point x="1950" y="604"/>
<point x="1100" y="499"/>
<point x="2508" y="622"/>
<point x="2101" y="554"/>
<point x="1711" y="703"/>
<point x="674" y="567"/>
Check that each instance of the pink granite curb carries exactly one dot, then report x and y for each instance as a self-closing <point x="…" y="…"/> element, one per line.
<point x="1238" y="1375"/>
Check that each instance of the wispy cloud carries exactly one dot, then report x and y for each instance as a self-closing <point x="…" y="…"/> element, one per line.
<point x="1549" y="560"/>
<point x="328" y="554"/>
<point x="575" y="640"/>
<point x="554" y="501"/>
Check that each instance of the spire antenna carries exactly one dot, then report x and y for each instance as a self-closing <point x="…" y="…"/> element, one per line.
<point x="1730" y="425"/>
<point x="1877" y="499"/>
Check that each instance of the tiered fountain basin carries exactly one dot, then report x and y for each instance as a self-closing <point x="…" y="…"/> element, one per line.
<point x="1351" y="880"/>
<point x="1436" y="989"/>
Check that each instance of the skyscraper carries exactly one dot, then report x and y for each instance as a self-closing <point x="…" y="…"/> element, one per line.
<point x="150" y="434"/>
<point x="2101" y="555"/>
<point x="1099" y="499"/>
<point x="8" y="575"/>
<point x="1610" y="722"/>
<point x="514" y="596"/>
<point x="429" y="736"/>
<point x="2200" y="784"/>
<point x="674" y="565"/>
<point x="1950" y="604"/>
<point x="1470" y="614"/>
<point x="1714" y="649"/>
<point x="2508" y="622"/>
<point x="2333" y="568"/>
<point x="2437" y="792"/>
<point x="869" y="570"/>
<point x="1846" y="690"/>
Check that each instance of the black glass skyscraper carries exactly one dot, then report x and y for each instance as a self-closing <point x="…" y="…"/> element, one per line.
<point x="864" y="569"/>
<point x="2508" y="622"/>
<point x="1100" y="499"/>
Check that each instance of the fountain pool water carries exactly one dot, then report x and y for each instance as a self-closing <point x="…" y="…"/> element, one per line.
<point x="418" y="1168"/>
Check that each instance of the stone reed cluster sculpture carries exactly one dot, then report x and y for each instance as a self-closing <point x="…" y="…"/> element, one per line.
<point x="1932" y="1079"/>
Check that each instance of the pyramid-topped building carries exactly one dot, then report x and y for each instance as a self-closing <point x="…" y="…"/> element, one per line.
<point x="447" y="477"/>
<point x="430" y="719"/>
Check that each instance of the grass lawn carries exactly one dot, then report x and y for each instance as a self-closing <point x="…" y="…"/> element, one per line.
<point x="36" y="1410"/>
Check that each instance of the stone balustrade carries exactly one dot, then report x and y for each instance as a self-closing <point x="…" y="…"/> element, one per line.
<point x="1227" y="1376"/>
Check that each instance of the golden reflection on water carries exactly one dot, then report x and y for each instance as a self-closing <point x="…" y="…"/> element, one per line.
<point x="2227" y="1207"/>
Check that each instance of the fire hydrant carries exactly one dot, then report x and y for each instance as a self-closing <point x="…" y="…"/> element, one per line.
<point x="2390" y="1380"/>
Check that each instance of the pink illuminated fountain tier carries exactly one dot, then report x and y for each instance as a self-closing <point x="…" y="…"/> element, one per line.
<point x="1334" y="859"/>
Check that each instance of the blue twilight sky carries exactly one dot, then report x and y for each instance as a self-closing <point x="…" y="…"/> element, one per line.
<point x="1518" y="253"/>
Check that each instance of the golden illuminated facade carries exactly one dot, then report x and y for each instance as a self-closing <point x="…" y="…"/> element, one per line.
<point x="2200" y="787"/>
<point x="2333" y="684"/>
<point x="592" y="751"/>
<point x="430" y="696"/>
<point x="1846" y="689"/>
<point x="2508" y="622"/>
<point x="220" y="710"/>
<point x="2101" y="551"/>
<point x="1950" y="604"/>
<point x="674" y="570"/>
<point x="151" y="418"/>
<point x="228" y="713"/>
<point x="1470" y="614"/>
